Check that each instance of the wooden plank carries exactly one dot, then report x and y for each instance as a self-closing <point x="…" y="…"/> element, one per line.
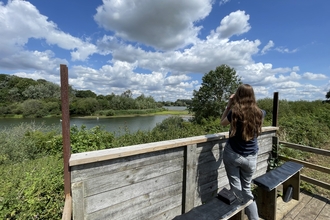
<point x="107" y="154"/>
<point x="156" y="209"/>
<point x="312" y="209"/>
<point x="306" y="148"/>
<point x="325" y="212"/>
<point x="190" y="184"/>
<point x="214" y="210"/>
<point x="211" y="146"/>
<point x="134" y="205"/>
<point x="111" y="181"/>
<point x="167" y="215"/>
<point x="267" y="200"/>
<point x="67" y="210"/>
<point x="78" y="201"/>
<point x="315" y="182"/>
<point x="87" y="171"/>
<point x="304" y="200"/>
<point x="306" y="164"/>
<point x="109" y="198"/>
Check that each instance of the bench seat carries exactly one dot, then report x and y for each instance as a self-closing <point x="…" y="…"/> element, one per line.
<point x="216" y="209"/>
<point x="279" y="175"/>
<point x="287" y="175"/>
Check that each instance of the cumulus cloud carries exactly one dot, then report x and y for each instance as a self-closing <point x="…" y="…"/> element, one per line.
<point x="150" y="47"/>
<point x="314" y="76"/>
<point x="21" y="21"/>
<point x="163" y="25"/>
<point x="236" y="23"/>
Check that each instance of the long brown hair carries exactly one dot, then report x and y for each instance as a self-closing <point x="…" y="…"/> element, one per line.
<point x="246" y="112"/>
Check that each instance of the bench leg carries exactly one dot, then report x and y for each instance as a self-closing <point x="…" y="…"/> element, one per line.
<point x="266" y="202"/>
<point x="238" y="216"/>
<point x="294" y="181"/>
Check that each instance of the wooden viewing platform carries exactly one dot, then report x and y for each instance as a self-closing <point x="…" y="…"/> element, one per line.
<point x="162" y="180"/>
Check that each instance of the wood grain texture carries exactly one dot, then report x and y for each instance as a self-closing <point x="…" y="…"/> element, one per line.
<point x="102" y="155"/>
<point x="154" y="181"/>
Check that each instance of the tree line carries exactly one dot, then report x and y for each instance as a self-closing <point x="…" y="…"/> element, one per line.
<point x="40" y="98"/>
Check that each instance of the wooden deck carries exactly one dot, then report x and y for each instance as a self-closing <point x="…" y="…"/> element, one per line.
<point x="310" y="207"/>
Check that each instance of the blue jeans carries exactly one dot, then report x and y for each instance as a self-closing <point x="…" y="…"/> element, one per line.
<point x="239" y="172"/>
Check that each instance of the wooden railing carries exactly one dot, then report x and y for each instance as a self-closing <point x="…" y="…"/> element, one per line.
<point x="307" y="164"/>
<point x="154" y="180"/>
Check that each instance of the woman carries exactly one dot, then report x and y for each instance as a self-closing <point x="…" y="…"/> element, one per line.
<point x="240" y="154"/>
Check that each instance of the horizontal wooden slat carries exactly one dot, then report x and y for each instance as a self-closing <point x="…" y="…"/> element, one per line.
<point x="315" y="182"/>
<point x="306" y="164"/>
<point x="112" y="181"/>
<point x="101" y="155"/>
<point x="306" y="148"/>
<point x="87" y="171"/>
<point x="137" y="204"/>
<point x="109" y="198"/>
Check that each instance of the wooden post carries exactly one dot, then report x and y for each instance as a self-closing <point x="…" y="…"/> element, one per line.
<point x="266" y="202"/>
<point x="275" y="110"/>
<point x="189" y="185"/>
<point x="65" y="128"/>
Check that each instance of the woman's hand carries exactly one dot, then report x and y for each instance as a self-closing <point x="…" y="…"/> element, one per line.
<point x="230" y="101"/>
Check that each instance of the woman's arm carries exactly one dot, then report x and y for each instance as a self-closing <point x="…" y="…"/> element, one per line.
<point x="224" y="119"/>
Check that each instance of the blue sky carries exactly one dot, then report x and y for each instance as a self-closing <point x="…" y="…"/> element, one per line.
<point x="162" y="48"/>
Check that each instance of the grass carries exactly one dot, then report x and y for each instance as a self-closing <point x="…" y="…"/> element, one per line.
<point x="320" y="160"/>
<point x="173" y="112"/>
<point x="167" y="112"/>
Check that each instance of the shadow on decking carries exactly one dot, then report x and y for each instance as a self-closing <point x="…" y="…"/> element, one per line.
<point x="310" y="207"/>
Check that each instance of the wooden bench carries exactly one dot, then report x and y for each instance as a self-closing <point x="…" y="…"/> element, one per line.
<point x="287" y="175"/>
<point x="216" y="209"/>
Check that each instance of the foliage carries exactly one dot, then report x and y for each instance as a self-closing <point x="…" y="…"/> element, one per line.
<point x="216" y="88"/>
<point x="25" y="142"/>
<point x="40" y="98"/>
<point x="32" y="189"/>
<point x="31" y="169"/>
<point x="327" y="96"/>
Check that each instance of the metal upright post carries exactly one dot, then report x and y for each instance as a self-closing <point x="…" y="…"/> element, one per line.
<point x="275" y="110"/>
<point x="66" y="136"/>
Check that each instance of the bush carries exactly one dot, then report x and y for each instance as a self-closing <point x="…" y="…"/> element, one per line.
<point x="26" y="141"/>
<point x="32" y="189"/>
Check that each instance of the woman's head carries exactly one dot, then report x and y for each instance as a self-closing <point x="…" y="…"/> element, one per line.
<point x="246" y="113"/>
<point x="244" y="95"/>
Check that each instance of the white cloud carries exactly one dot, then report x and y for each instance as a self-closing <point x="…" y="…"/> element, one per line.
<point x="285" y="50"/>
<point x="314" y="76"/>
<point x="172" y="26"/>
<point x="236" y="23"/>
<point x="21" y="21"/>
<point x="164" y="25"/>
<point x="267" y="47"/>
<point x="222" y="2"/>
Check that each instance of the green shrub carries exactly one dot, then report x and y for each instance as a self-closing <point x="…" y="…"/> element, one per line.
<point x="32" y="189"/>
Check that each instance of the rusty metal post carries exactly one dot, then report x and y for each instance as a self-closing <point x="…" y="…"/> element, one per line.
<point x="275" y="109"/>
<point x="65" y="128"/>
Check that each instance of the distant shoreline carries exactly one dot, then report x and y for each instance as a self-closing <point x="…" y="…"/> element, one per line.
<point x="180" y="113"/>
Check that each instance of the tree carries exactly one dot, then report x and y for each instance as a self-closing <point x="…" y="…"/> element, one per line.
<point x="85" y="94"/>
<point x="328" y="95"/>
<point x="212" y="96"/>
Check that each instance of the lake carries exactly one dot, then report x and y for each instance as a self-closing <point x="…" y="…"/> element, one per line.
<point x="134" y="124"/>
